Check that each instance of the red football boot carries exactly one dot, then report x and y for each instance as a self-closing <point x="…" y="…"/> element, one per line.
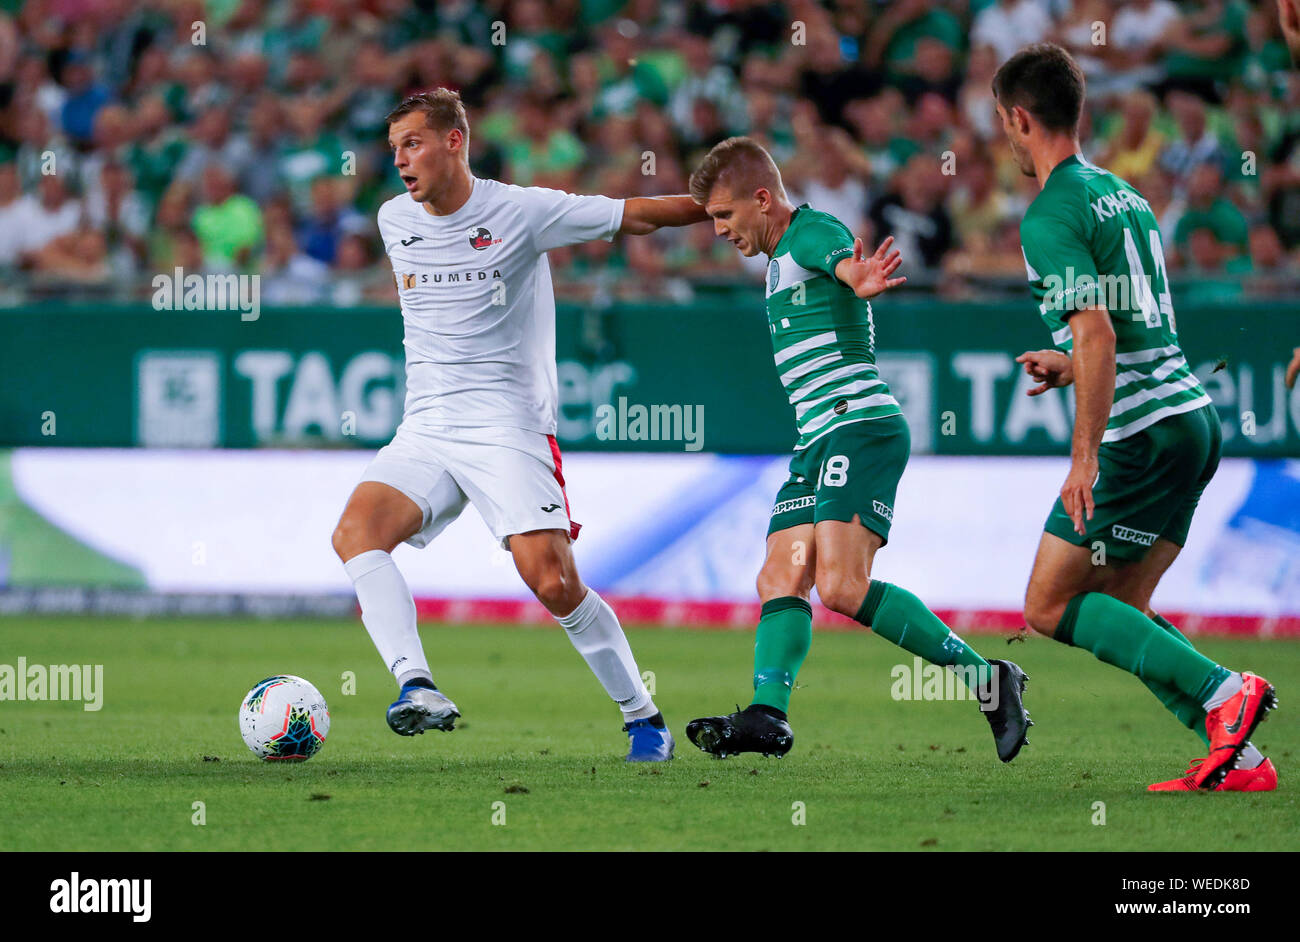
<point x="1230" y="725"/>
<point x="1262" y="778"/>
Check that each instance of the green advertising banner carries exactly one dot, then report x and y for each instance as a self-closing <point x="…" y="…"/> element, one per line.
<point x="633" y="377"/>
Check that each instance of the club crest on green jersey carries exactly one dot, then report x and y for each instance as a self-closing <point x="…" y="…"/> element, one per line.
<point x="773" y="276"/>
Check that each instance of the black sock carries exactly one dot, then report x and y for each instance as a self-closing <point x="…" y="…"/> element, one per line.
<point x="769" y="710"/>
<point x="657" y="721"/>
<point x="420" y="682"/>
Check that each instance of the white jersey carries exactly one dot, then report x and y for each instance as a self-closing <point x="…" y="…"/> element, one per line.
<point x="477" y="304"/>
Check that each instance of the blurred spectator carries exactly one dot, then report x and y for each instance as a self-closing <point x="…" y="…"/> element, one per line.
<point x="830" y="187"/>
<point x="1133" y="151"/>
<point x="540" y="149"/>
<point x="264" y="144"/>
<point x="44" y="217"/>
<point x="159" y="147"/>
<point x="212" y="144"/>
<point x="1209" y="212"/>
<point x="979" y="207"/>
<point x="1137" y="38"/>
<point x="329" y="221"/>
<point x="978" y="110"/>
<point x="228" y="223"/>
<point x="1083" y="32"/>
<point x="912" y="213"/>
<point x="1204" y="46"/>
<point x="707" y="80"/>
<point x="1006" y="25"/>
<point x="84" y="99"/>
<point x="115" y="209"/>
<point x="290" y="277"/>
<point x="41" y="150"/>
<point x="892" y="41"/>
<point x="1196" y="143"/>
<point x="1268" y="262"/>
<point x="356" y="279"/>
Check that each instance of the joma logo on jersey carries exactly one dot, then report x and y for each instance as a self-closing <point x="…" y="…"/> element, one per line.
<point x="412" y="279"/>
<point x="1111" y="203"/>
<point x="1129" y="535"/>
<point x="480" y="238"/>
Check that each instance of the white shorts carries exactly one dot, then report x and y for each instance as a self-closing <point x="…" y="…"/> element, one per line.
<point x="512" y="476"/>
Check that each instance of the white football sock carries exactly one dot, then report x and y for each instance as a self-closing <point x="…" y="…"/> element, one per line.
<point x="388" y="612"/>
<point x="1251" y="758"/>
<point x="1224" y="692"/>
<point x="595" y="632"/>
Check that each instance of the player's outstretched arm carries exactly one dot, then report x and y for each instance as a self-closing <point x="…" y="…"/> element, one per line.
<point x="1093" y="360"/>
<point x="869" y="276"/>
<point x="644" y="214"/>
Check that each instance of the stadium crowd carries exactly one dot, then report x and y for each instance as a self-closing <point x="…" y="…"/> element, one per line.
<point x="246" y="136"/>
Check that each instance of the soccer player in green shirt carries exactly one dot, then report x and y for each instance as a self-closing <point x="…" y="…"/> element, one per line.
<point x="1146" y="436"/>
<point x="835" y="510"/>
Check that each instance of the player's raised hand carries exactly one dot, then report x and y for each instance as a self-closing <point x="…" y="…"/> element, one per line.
<point x="1051" y="368"/>
<point x="868" y="276"/>
<point x="1293" y="369"/>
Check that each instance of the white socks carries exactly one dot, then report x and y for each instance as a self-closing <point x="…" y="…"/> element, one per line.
<point x="1224" y="692"/>
<point x="1251" y="758"/>
<point x="388" y="612"/>
<point x="595" y="632"/>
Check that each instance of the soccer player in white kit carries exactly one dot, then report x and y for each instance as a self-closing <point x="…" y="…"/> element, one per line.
<point x="469" y="258"/>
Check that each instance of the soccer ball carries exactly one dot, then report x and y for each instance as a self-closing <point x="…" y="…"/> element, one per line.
<point x="284" y="719"/>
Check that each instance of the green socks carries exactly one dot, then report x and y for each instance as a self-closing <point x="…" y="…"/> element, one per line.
<point x="899" y="616"/>
<point x="780" y="645"/>
<point x="1121" y="635"/>
<point x="1190" y="713"/>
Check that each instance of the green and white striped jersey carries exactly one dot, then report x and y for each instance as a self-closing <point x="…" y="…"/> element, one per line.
<point x="822" y="335"/>
<point x="1090" y="239"/>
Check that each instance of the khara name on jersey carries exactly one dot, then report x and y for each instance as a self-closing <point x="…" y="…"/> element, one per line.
<point x="411" y="279"/>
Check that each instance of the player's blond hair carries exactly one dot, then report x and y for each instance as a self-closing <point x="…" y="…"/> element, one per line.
<point x="442" y="108"/>
<point x="740" y="164"/>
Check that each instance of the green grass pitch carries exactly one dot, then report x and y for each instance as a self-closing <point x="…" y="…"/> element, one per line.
<point x="538" y="735"/>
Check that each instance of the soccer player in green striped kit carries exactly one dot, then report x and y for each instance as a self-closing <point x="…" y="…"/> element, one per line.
<point x="835" y="510"/>
<point x="1146" y="437"/>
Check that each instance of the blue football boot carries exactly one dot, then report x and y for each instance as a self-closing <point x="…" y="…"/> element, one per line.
<point x="649" y="743"/>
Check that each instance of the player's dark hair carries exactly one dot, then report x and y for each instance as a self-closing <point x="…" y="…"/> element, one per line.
<point x="442" y="108"/>
<point x="740" y="163"/>
<point x="1045" y="80"/>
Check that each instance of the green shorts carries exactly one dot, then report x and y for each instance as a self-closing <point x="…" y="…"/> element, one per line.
<point x="852" y="470"/>
<point x="1148" y="486"/>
